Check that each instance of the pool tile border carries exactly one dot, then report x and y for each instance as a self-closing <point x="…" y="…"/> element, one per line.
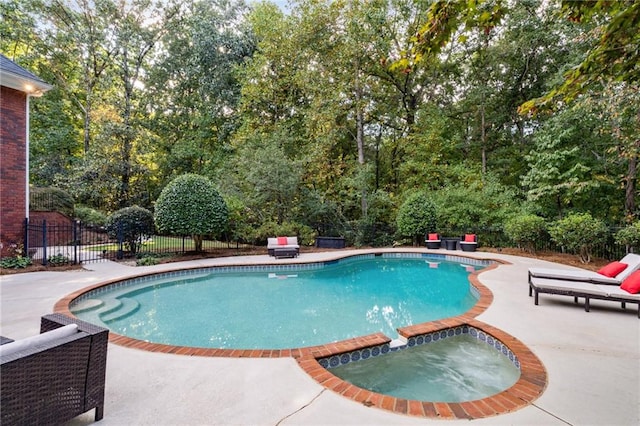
<point x="532" y="382"/>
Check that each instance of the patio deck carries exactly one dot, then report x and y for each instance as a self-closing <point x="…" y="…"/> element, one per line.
<point x="592" y="359"/>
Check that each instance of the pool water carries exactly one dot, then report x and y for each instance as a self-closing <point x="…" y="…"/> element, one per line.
<point x="455" y="369"/>
<point x="272" y="309"/>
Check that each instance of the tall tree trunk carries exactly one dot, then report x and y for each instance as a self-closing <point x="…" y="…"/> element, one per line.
<point x="630" y="183"/>
<point x="360" y="137"/>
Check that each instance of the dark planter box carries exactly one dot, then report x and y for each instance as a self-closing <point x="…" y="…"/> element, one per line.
<point x="330" y="242"/>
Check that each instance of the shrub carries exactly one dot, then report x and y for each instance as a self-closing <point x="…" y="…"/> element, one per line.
<point x="305" y="234"/>
<point x="131" y="224"/>
<point x="58" y="260"/>
<point x="89" y="216"/>
<point x="416" y="217"/>
<point x="629" y="235"/>
<point x="16" y="260"/>
<point x="578" y="232"/>
<point x="190" y="205"/>
<point x="525" y="230"/>
<point x="51" y="199"/>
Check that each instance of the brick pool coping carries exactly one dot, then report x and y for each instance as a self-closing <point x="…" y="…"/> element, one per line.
<point x="531" y="384"/>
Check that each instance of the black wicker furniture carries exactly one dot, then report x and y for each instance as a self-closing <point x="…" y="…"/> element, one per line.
<point x="51" y="382"/>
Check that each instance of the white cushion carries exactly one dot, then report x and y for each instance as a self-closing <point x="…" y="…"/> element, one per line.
<point x="40" y="339"/>
<point x="631" y="259"/>
<point x="576" y="286"/>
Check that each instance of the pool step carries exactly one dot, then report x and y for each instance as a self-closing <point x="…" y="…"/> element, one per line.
<point x="87" y="305"/>
<point x="125" y="307"/>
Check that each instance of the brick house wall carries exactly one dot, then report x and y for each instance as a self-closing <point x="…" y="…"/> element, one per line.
<point x="13" y="167"/>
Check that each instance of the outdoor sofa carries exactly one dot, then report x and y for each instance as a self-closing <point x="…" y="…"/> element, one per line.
<point x="283" y="246"/>
<point x="50" y="378"/>
<point x="469" y="242"/>
<point x="433" y="240"/>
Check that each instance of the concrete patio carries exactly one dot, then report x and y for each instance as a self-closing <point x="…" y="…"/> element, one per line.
<point x="592" y="359"/>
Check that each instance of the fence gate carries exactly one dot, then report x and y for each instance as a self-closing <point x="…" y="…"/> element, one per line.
<point x="64" y="243"/>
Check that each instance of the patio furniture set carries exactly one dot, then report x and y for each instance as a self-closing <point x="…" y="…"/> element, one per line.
<point x="468" y="242"/>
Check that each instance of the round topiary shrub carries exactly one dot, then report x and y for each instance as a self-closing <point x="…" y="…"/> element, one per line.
<point x="190" y="205"/>
<point x="416" y="217"/>
<point x="578" y="233"/>
<point x="132" y="225"/>
<point x="525" y="230"/>
<point x="629" y="235"/>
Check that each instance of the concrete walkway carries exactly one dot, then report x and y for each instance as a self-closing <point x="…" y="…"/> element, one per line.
<point x="592" y="359"/>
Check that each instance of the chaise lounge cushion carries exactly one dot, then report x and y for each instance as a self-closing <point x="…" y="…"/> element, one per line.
<point x="38" y="340"/>
<point x="612" y="269"/>
<point x="575" y="274"/>
<point x="632" y="283"/>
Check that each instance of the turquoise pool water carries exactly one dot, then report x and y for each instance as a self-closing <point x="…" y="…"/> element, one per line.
<point x="455" y="369"/>
<point x="276" y="308"/>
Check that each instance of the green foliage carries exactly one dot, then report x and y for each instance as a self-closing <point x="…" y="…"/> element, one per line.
<point x="132" y="224"/>
<point x="58" y="260"/>
<point x="306" y="235"/>
<point x="629" y="235"/>
<point x="147" y="260"/>
<point x="474" y="205"/>
<point x="416" y="217"/>
<point x="578" y="232"/>
<point x="17" y="262"/>
<point x="90" y="216"/>
<point x="525" y="230"/>
<point x="51" y="199"/>
<point x="190" y="205"/>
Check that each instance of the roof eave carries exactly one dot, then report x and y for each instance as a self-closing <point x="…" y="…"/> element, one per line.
<point x="29" y="86"/>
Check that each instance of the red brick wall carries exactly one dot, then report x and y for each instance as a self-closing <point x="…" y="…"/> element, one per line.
<point x="13" y="166"/>
<point x="59" y="228"/>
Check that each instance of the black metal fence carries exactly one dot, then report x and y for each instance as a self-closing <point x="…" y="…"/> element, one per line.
<point x="76" y="242"/>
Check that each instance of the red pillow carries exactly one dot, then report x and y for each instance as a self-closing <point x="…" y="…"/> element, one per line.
<point x="433" y="237"/>
<point x="282" y="241"/>
<point x="632" y="283"/>
<point x="470" y="238"/>
<point x="612" y="269"/>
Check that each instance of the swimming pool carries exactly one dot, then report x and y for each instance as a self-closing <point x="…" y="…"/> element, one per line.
<point x="284" y="307"/>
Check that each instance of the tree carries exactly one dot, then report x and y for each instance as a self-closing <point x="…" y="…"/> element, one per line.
<point x="416" y="217"/>
<point x="190" y="205"/>
<point x="578" y="232"/>
<point x="132" y="225"/>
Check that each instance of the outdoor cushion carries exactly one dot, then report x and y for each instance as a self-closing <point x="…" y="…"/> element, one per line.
<point x="612" y="269"/>
<point x="470" y="238"/>
<point x="282" y="241"/>
<point x="632" y="284"/>
<point x="433" y="237"/>
<point x="40" y="339"/>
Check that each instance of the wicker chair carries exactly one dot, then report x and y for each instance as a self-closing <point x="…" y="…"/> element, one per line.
<point x="54" y="382"/>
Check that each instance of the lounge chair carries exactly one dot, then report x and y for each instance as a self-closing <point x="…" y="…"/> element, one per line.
<point x="433" y="240"/>
<point x="54" y="376"/>
<point x="586" y="290"/>
<point x="469" y="242"/>
<point x="613" y="274"/>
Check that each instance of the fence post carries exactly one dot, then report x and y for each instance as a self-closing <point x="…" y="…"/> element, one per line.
<point x="26" y="236"/>
<point x="120" y="254"/>
<point x="75" y="241"/>
<point x="44" y="242"/>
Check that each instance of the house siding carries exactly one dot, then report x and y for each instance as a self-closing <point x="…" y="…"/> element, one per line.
<point x="13" y="164"/>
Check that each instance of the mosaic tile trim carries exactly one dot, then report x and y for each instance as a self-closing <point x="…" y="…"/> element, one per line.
<point x="423" y="339"/>
<point x="213" y="270"/>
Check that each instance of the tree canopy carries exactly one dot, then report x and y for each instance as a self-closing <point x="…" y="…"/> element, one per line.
<point x="329" y="115"/>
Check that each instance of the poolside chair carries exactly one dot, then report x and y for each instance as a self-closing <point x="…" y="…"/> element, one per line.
<point x="613" y="274"/>
<point x="628" y="292"/>
<point x="433" y="240"/>
<point x="469" y="242"/>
